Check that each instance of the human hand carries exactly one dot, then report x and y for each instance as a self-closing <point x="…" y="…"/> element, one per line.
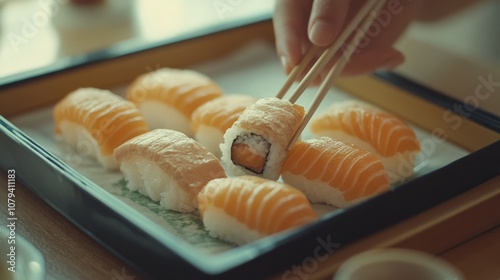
<point x="300" y="23"/>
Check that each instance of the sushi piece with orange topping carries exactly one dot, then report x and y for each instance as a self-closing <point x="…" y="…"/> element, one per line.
<point x="211" y="120"/>
<point x="257" y="142"/>
<point x="374" y="130"/>
<point x="97" y="121"/>
<point x="167" y="97"/>
<point x="333" y="172"/>
<point x="243" y="209"/>
<point x="168" y="167"/>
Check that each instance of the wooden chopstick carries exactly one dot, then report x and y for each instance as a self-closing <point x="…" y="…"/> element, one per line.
<point x="297" y="70"/>
<point x="336" y="70"/>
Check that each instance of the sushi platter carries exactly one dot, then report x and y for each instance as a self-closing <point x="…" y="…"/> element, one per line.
<point x="115" y="207"/>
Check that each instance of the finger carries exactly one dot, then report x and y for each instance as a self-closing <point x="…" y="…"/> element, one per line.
<point x="290" y="28"/>
<point x="370" y="60"/>
<point x="326" y="21"/>
<point x="310" y="65"/>
<point x="365" y="62"/>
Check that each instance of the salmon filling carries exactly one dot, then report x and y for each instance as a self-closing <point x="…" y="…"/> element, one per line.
<point x="250" y="151"/>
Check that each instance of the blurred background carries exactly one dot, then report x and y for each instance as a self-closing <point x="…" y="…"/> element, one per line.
<point x="449" y="55"/>
<point x="36" y="33"/>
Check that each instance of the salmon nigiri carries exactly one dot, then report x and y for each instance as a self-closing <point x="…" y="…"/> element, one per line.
<point x="333" y="172"/>
<point x="97" y="121"/>
<point x="243" y="209"/>
<point x="374" y="130"/>
<point x="211" y="120"/>
<point x="167" y="97"/>
<point x="169" y="167"/>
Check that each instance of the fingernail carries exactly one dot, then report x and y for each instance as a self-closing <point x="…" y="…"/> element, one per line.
<point x="321" y="33"/>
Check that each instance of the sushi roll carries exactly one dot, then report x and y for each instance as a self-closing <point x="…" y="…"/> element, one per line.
<point x="333" y="172"/>
<point x="168" y="167"/>
<point x="374" y="130"/>
<point x="257" y="142"/>
<point x="167" y="97"/>
<point x="211" y="120"/>
<point x="97" y="121"/>
<point x="243" y="209"/>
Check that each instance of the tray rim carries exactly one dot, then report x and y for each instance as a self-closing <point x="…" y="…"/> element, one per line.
<point x="479" y="116"/>
<point x="265" y="248"/>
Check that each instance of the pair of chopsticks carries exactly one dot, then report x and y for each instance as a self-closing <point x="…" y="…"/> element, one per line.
<point x="362" y="17"/>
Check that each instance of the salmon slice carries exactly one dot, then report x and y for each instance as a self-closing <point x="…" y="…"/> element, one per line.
<point x="99" y="118"/>
<point x="168" y="96"/>
<point x="333" y="172"/>
<point x="378" y="130"/>
<point x="243" y="209"/>
<point x="169" y="167"/>
<point x="243" y="155"/>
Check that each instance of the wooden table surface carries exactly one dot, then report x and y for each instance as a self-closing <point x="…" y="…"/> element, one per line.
<point x="71" y="254"/>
